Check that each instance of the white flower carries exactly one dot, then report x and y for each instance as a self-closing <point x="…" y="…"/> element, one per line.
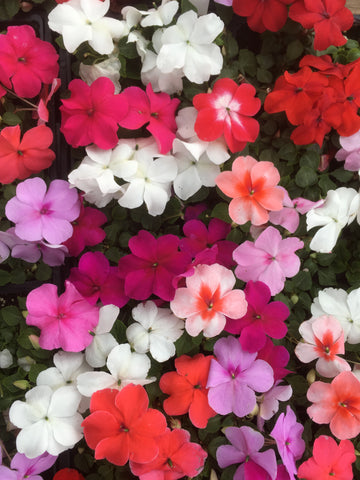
<point x="103" y="342"/>
<point x="194" y="168"/>
<point x="79" y="21"/>
<point x="6" y="359"/>
<point x="345" y="307"/>
<point x="338" y="210"/>
<point x="189" y="45"/>
<point x="155" y="331"/>
<point x="160" y="16"/>
<point x="132" y="17"/>
<point x="48" y="419"/>
<point x="124" y="366"/>
<point x="109" y="68"/>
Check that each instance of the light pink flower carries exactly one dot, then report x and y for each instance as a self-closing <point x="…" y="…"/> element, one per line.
<point x="269" y="259"/>
<point x="207" y="299"/>
<point x="324" y="339"/>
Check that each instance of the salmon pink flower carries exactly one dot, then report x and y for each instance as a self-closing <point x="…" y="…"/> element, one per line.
<point x="208" y="299"/>
<point x="121" y="427"/>
<point x="337" y="403"/>
<point x="187" y="389"/>
<point x="252" y="185"/>
<point x="329" y="460"/>
<point x="20" y="158"/>
<point x="228" y="111"/>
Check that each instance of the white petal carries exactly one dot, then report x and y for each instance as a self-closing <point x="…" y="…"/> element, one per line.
<point x="156" y="198"/>
<point x="94" y="9"/>
<point x="107" y="316"/>
<point x="98" y="350"/>
<point x="33" y="441"/>
<point x="160" y="348"/>
<point x="67" y="431"/>
<point x="89" y="382"/>
<point x="64" y="402"/>
<point x="133" y="195"/>
<point x="138" y="337"/>
<point x="73" y="36"/>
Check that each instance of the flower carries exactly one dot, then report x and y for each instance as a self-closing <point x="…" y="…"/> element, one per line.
<point x="262" y="318"/>
<point x="109" y="68"/>
<point x="287" y="433"/>
<point x="177" y="457"/>
<point x="207" y="299"/>
<point x="350" y="152"/>
<point x="92" y="113"/>
<point x="263" y="15"/>
<point x="244" y="449"/>
<point x="121" y="427"/>
<point x="64" y="321"/>
<point x="269" y="259"/>
<point x="337" y="403"/>
<point x="6" y="359"/>
<point x="324" y="339"/>
<point x="155" y="330"/>
<point x="228" y="111"/>
<point x="23" y="467"/>
<point x="40" y="214"/>
<point x="234" y="377"/>
<point x="48" y="420"/>
<point x="81" y="21"/>
<point x="329" y="460"/>
<point x="68" y="474"/>
<point x="187" y="389"/>
<point x="21" y="158"/>
<point x="27" y="60"/>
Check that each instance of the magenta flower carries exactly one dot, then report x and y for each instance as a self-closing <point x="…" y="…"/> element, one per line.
<point x="287" y="433"/>
<point x="152" y="266"/>
<point x="95" y="279"/>
<point x="66" y="321"/>
<point x="262" y="318"/>
<point x="269" y="259"/>
<point x="277" y="357"/>
<point x="39" y="214"/>
<point x="24" y="468"/>
<point x="157" y="109"/>
<point x="234" y="377"/>
<point x="244" y="449"/>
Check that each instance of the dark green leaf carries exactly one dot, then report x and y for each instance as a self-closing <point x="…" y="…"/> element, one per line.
<point x="264" y="76"/>
<point x="247" y="62"/>
<point x="8" y="8"/>
<point x="11" y="119"/>
<point x="306" y="177"/>
<point x="11" y="315"/>
<point x="294" y="50"/>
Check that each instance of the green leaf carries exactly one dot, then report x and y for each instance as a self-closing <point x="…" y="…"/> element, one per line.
<point x="302" y="280"/>
<point x="11" y="315"/>
<point x="264" y="76"/>
<point x="294" y="50"/>
<point x="326" y="184"/>
<point x="306" y="177"/>
<point x="18" y="276"/>
<point x="247" y="62"/>
<point x="342" y="175"/>
<point x="8" y="8"/>
<point x="287" y="152"/>
<point x="127" y="49"/>
<point x="11" y="119"/>
<point x="310" y="159"/>
<point x="265" y="61"/>
<point x="5" y="277"/>
<point x="231" y="46"/>
<point x="43" y="272"/>
<point x="221" y="211"/>
<point x="186" y="5"/>
<point x="327" y="278"/>
<point x="35" y="370"/>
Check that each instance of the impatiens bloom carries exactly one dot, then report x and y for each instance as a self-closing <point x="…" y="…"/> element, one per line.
<point x="228" y="111"/>
<point x="328" y="18"/>
<point x="177" y="457"/>
<point x="269" y="401"/>
<point x="277" y="357"/>
<point x="350" y="152"/>
<point x="287" y="433"/>
<point x="64" y="321"/>
<point x="20" y="158"/>
<point x="269" y="259"/>
<point x="235" y="376"/>
<point x="48" y="420"/>
<point x="40" y="214"/>
<point x="24" y="468"/>
<point x="252" y="185"/>
<point x="27" y="60"/>
<point x="329" y="460"/>
<point x="324" y="339"/>
<point x="92" y="113"/>
<point x="337" y="403"/>
<point x="187" y="389"/>
<point x="155" y="330"/>
<point x="121" y="427"/>
<point x="207" y="299"/>
<point x="68" y="474"/>
<point x="263" y="14"/>
<point x="109" y="68"/>
<point x="262" y="318"/>
<point x="244" y="449"/>
<point x="152" y="266"/>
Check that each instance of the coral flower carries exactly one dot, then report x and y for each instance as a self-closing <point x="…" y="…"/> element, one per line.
<point x="263" y="14"/>
<point x="121" y="427"/>
<point x="20" y="158"/>
<point x="337" y="403"/>
<point x="252" y="185"/>
<point x="207" y="299"/>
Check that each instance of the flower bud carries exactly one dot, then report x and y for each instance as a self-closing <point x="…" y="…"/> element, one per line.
<point x="34" y="340"/>
<point x="311" y="376"/>
<point x="22" y="384"/>
<point x="294" y="298"/>
<point x="6" y="358"/>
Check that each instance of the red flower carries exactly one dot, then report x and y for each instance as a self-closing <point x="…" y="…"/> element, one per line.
<point x="178" y="457"/>
<point x="68" y="474"/>
<point x="187" y="389"/>
<point x="27" y="60"/>
<point x="21" y="158"/>
<point x="227" y="111"/>
<point x="263" y="14"/>
<point x="92" y="113"/>
<point x="121" y="427"/>
<point x="328" y="18"/>
<point x="329" y="460"/>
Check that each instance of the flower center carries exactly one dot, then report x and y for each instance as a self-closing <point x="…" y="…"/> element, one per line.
<point x="123" y="428"/>
<point x="60" y="316"/>
<point x="343" y="404"/>
<point x="19" y="152"/>
<point x="22" y="59"/>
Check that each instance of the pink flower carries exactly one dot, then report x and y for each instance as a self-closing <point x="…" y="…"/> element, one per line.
<point x="207" y="299"/>
<point x="40" y="214"/>
<point x="277" y="357"/>
<point x="65" y="322"/>
<point x="157" y="109"/>
<point x="262" y="318"/>
<point x="269" y="259"/>
<point x="324" y="339"/>
<point x="92" y="113"/>
<point x="27" y="60"/>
